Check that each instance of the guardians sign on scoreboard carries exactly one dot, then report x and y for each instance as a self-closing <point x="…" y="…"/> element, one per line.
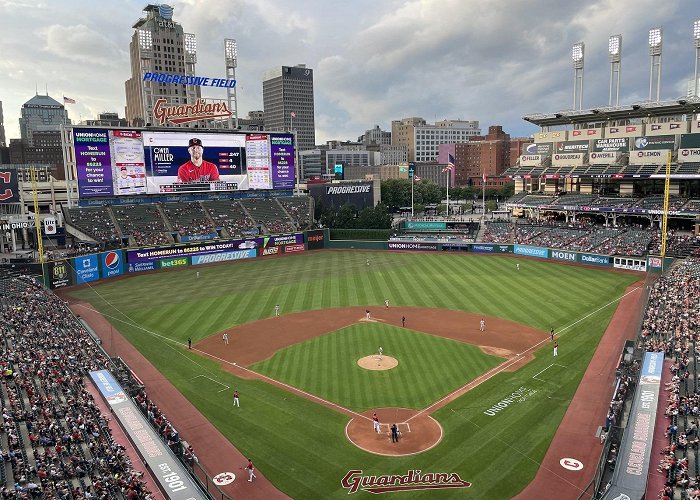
<point x="111" y="162"/>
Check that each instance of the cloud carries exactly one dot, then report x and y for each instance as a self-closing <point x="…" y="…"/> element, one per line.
<point x="82" y="44"/>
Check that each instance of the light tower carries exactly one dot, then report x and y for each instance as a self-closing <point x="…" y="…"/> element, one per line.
<point x="655" y="44"/>
<point x="231" y="56"/>
<point x="696" y="37"/>
<point x="577" y="56"/>
<point x="615" y="55"/>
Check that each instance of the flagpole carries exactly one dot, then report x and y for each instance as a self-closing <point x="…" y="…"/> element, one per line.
<point x="412" y="181"/>
<point x="448" y="192"/>
<point x="483" y="195"/>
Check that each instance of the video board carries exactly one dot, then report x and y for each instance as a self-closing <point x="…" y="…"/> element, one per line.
<point x="116" y="162"/>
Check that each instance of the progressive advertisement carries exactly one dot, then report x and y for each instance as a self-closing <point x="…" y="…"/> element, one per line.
<point x="134" y="162"/>
<point x="530" y="251"/>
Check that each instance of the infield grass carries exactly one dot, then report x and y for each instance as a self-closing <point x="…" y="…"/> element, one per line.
<point x="300" y="445"/>
<point x="429" y="367"/>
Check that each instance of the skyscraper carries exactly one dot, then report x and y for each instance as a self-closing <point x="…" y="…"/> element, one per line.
<point x="41" y="113"/>
<point x="288" y="102"/>
<point x="159" y="45"/>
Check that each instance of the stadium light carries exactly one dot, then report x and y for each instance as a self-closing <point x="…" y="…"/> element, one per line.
<point x="230" y="48"/>
<point x="190" y="43"/>
<point x="696" y="37"/>
<point x="577" y="53"/>
<point x="655" y="43"/>
<point x="145" y="40"/>
<point x="615" y="56"/>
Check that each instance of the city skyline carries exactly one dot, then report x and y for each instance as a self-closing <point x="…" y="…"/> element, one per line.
<point x="494" y="62"/>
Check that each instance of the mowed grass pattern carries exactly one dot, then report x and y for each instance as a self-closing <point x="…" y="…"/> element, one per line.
<point x="300" y="445"/>
<point x="429" y="367"/>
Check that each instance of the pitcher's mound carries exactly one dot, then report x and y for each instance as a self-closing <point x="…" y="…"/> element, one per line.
<point x="375" y="363"/>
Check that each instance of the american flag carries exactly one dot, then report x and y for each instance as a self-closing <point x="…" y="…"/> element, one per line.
<point x="483" y="177"/>
<point x="293" y="114"/>
<point x="68" y="100"/>
<point x="450" y="163"/>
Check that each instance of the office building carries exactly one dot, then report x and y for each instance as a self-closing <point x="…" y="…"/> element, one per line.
<point x="422" y="139"/>
<point x="288" y="103"/>
<point x="3" y="139"/>
<point x="488" y="155"/>
<point x="375" y="136"/>
<point x="106" y="120"/>
<point x="159" y="45"/>
<point x="39" y="114"/>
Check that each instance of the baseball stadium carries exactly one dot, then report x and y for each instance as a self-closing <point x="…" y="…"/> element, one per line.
<point x="206" y="337"/>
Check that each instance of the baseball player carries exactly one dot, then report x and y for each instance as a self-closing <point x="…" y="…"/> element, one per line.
<point x="551" y="335"/>
<point x="556" y="347"/>
<point x="403" y="320"/>
<point x="482" y="325"/>
<point x="367" y="316"/>
<point x="236" y="400"/>
<point x="381" y="351"/>
<point x="277" y="310"/>
<point x="251" y="471"/>
<point x="386" y="303"/>
<point x="375" y="422"/>
<point x="225" y="338"/>
<point x="368" y="262"/>
<point x="197" y="169"/>
<point x="517" y="266"/>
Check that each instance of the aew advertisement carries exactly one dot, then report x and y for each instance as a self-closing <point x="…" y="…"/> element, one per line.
<point x="133" y="162"/>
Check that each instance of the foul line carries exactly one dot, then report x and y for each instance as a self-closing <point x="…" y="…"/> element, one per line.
<point x="498" y="369"/>
<point x="553" y="364"/>
<point x="226" y="387"/>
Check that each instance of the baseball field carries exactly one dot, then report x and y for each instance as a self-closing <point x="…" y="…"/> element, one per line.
<point x="485" y="404"/>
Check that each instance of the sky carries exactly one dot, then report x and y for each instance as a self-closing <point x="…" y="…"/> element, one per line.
<point x="374" y="61"/>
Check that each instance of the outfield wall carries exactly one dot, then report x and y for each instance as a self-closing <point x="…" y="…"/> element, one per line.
<point x="114" y="263"/>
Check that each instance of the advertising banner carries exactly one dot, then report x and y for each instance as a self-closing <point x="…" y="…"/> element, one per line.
<point x="530" y="160"/>
<point x="400" y="245"/>
<point x="175" y="262"/>
<point x="138" y="267"/>
<point x="689" y="141"/>
<point x="171" y="475"/>
<point x="60" y="274"/>
<point x="133" y="162"/>
<point x="315" y="239"/>
<point x="86" y="269"/>
<point x="689" y="155"/>
<point x="646" y="157"/>
<point x="598" y="260"/>
<point x="530" y="251"/>
<point x="559" y="160"/>
<point x="270" y="251"/>
<point x="112" y="263"/>
<point x="630" y="476"/>
<point x="360" y="194"/>
<point x="572" y="147"/>
<point x="563" y="255"/>
<point x="224" y="256"/>
<point x="294" y="248"/>
<point x="427" y="225"/>
<point x="156" y="253"/>
<point x="8" y="186"/>
<point x="603" y="158"/>
<point x="538" y="148"/>
<point x="482" y="248"/>
<point x="655" y="142"/>
<point x="612" y="145"/>
<point x="198" y="237"/>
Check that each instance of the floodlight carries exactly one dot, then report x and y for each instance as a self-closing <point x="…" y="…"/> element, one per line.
<point x="230" y="48"/>
<point x="615" y="48"/>
<point x="696" y="32"/>
<point x="190" y="43"/>
<point x="145" y="39"/>
<point x="577" y="52"/>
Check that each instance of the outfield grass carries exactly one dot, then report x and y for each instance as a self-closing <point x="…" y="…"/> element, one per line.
<point x="429" y="367"/>
<point x="309" y="454"/>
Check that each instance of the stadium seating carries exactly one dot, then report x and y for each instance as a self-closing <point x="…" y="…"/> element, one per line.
<point x="299" y="209"/>
<point x="231" y="217"/>
<point x="270" y="214"/>
<point x="94" y="222"/>
<point x="188" y="219"/>
<point x="143" y="224"/>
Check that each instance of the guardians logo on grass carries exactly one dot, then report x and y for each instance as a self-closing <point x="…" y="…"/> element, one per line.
<point x="354" y="481"/>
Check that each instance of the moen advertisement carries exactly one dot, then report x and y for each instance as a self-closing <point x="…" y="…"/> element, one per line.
<point x="134" y="162"/>
<point x="155" y="254"/>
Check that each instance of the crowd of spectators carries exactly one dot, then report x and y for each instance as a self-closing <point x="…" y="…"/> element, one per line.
<point x="298" y="209"/>
<point x="144" y="224"/>
<point x="671" y="325"/>
<point x="94" y="222"/>
<point x="55" y="439"/>
<point x="188" y="218"/>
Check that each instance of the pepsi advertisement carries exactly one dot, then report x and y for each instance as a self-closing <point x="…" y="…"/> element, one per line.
<point x="112" y="263"/>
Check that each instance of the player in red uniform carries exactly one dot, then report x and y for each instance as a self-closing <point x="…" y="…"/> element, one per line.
<point x="197" y="169"/>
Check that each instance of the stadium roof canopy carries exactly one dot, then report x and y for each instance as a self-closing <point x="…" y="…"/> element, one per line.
<point x="645" y="109"/>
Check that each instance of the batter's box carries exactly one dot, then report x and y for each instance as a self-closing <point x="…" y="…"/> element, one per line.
<point x="402" y="426"/>
<point x="549" y="374"/>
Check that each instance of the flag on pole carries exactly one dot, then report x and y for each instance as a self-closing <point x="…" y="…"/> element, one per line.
<point x="68" y="100"/>
<point x="450" y="161"/>
<point x="483" y="177"/>
<point x="293" y="114"/>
